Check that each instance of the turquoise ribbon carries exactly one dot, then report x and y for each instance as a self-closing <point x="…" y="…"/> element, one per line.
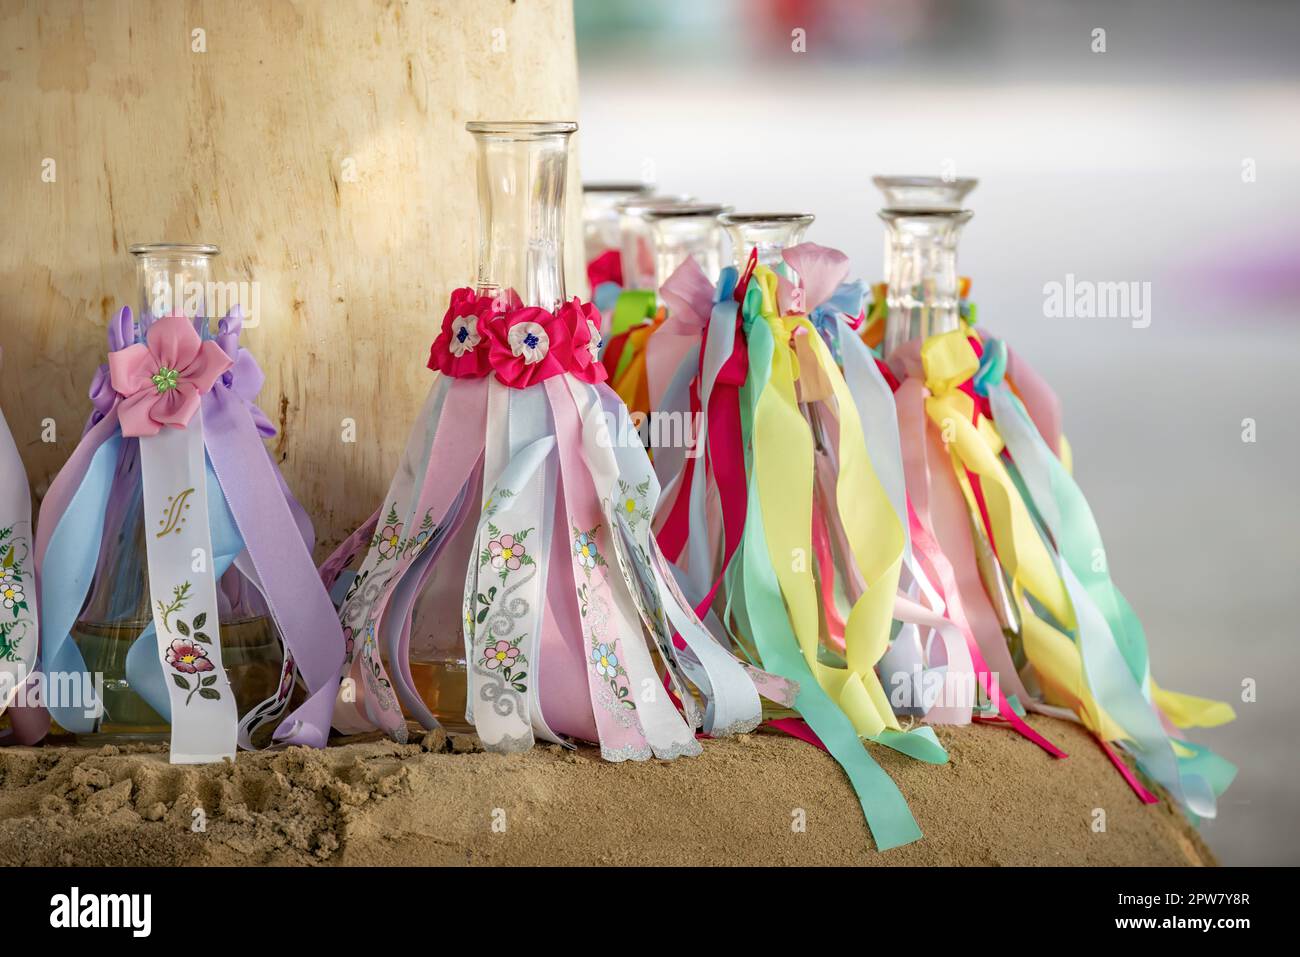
<point x="1112" y="643"/>
<point x="755" y="596"/>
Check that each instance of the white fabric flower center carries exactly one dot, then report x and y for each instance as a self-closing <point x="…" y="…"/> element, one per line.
<point x="595" y="342"/>
<point x="529" y="340"/>
<point x="464" y="335"/>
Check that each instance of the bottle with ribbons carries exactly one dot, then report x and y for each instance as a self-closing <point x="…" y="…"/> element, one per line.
<point x="174" y="564"/>
<point x="511" y="560"/>
<point x="989" y="481"/>
<point x="642" y="356"/>
<point x="780" y="527"/>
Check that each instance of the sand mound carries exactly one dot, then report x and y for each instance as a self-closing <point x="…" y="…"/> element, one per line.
<point x="444" y="801"/>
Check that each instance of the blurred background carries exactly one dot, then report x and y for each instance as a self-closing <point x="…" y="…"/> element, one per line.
<point x="1169" y="158"/>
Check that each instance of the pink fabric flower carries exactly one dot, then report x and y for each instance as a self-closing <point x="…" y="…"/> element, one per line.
<point x="506" y="552"/>
<point x="502" y="653"/>
<point x="581" y="318"/>
<point x="528" y="346"/>
<point x="188" y="657"/>
<point x="164" y="381"/>
<point x="461" y="349"/>
<point x="522" y="345"/>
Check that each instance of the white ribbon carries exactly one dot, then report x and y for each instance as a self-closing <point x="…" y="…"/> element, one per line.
<point x="183" y="592"/>
<point x="18" y="615"/>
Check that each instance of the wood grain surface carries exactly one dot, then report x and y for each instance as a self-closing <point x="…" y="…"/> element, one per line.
<point x="320" y="144"/>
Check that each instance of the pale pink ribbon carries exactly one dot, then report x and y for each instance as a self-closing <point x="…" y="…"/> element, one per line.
<point x="688" y="294"/>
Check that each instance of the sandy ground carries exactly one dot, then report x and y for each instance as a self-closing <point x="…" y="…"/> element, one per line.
<point x="445" y="802"/>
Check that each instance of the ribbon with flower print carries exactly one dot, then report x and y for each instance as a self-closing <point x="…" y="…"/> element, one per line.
<point x="19" y="630"/>
<point x="174" y="413"/>
<point x="510" y="478"/>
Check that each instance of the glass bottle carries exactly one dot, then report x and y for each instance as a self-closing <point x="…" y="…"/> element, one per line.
<point x="769" y="233"/>
<point x="635" y="240"/>
<point x="172" y="278"/>
<point x="679" y="230"/>
<point x="923" y="296"/>
<point x="924" y="300"/>
<point x="924" y="192"/>
<point x="600" y="219"/>
<point x="521" y="180"/>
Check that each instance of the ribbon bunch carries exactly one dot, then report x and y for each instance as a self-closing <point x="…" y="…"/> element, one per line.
<point x="527" y="490"/>
<point x="175" y="441"/>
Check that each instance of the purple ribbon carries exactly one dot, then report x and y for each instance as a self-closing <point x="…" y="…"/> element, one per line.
<point x="277" y="544"/>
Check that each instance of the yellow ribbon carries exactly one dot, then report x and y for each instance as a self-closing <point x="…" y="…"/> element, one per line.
<point x="783" y="460"/>
<point x="949" y="360"/>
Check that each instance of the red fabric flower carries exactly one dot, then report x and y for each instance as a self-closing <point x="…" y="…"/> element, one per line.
<point x="522" y="345"/>
<point x="528" y="346"/>
<point x="583" y="321"/>
<point x="461" y="349"/>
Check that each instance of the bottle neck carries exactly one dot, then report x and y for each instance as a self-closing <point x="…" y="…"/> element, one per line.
<point x="686" y="230"/>
<point x="522" y="169"/>
<point x="600" y="203"/>
<point x="923" y="296"/>
<point x="768" y="234"/>
<point x="173" y="279"/>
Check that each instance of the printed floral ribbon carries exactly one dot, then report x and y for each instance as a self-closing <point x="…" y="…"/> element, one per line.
<point x="561" y="589"/>
<point x="19" y="622"/>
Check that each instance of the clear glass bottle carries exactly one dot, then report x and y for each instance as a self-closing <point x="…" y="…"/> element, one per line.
<point x="923" y="296"/>
<point x="172" y="278"/>
<point x="600" y="219"/>
<point x="679" y="230"/>
<point x="521" y="180"/>
<point x="635" y="240"/>
<point x="924" y="192"/>
<point x="769" y="233"/>
<point x="924" y="299"/>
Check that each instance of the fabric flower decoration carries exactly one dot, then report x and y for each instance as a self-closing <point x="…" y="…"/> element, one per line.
<point x="188" y="657"/>
<point x="459" y="349"/>
<point x="529" y="341"/>
<point x="606" y="662"/>
<point x="464" y="335"/>
<point x="163" y="380"/>
<point x="529" y="345"/>
<point x="583" y="321"/>
<point x="506" y="552"/>
<point x="500" y="654"/>
<point x="584" y="547"/>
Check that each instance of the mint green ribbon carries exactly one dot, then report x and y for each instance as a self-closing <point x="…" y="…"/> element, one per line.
<point x="1112" y="642"/>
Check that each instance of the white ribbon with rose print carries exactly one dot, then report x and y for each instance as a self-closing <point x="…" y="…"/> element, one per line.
<point x="183" y="594"/>
<point x="18" y="615"/>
